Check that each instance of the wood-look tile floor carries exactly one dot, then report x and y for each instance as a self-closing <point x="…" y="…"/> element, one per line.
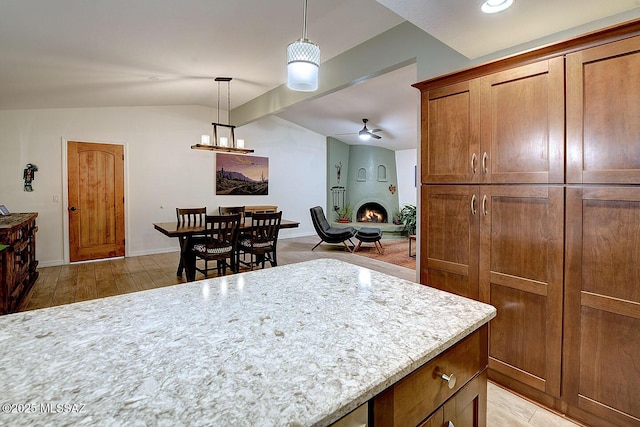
<point x="80" y="282"/>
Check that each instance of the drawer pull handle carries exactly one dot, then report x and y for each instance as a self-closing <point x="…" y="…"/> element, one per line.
<point x="450" y="424"/>
<point x="473" y="204"/>
<point x="449" y="379"/>
<point x="473" y="163"/>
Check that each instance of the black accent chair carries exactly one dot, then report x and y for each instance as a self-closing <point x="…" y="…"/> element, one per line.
<point x="330" y="234"/>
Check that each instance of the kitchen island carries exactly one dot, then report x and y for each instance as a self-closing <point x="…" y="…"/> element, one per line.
<point x="296" y="345"/>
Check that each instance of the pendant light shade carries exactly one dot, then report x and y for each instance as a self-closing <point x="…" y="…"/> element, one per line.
<point x="303" y="61"/>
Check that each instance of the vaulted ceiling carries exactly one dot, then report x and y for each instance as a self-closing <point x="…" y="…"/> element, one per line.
<point x="78" y="53"/>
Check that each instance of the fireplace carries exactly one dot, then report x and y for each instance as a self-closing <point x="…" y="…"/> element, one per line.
<point x="372" y="212"/>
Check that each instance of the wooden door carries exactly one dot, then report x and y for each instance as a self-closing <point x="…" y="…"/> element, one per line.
<point x="522" y="124"/>
<point x="521" y="274"/>
<point x="601" y="366"/>
<point x="450" y="238"/>
<point x="450" y="134"/>
<point x="603" y="114"/>
<point x="96" y="200"/>
<point x="468" y="408"/>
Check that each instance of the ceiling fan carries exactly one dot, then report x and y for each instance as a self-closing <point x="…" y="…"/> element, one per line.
<point x="365" y="133"/>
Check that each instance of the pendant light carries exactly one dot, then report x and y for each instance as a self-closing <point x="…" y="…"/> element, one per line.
<point x="303" y="61"/>
<point x="223" y="143"/>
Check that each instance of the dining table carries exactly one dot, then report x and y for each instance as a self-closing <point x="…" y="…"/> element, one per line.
<point x="189" y="231"/>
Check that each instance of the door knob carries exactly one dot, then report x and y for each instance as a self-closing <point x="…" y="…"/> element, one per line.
<point x="449" y="379"/>
<point x="72" y="208"/>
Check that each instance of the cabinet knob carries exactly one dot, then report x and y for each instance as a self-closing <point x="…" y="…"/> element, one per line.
<point x="449" y="379"/>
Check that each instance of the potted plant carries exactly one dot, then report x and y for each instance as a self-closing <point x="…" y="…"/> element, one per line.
<point x="408" y="217"/>
<point x="345" y="213"/>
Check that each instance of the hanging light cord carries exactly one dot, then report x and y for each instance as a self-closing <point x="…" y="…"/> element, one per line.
<point x="304" y="21"/>
<point x="218" y="108"/>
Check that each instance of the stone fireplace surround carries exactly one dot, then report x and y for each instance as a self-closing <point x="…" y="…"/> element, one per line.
<point x="367" y="174"/>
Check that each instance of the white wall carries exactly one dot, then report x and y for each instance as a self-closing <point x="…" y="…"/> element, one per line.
<point x="406" y="161"/>
<point x="162" y="172"/>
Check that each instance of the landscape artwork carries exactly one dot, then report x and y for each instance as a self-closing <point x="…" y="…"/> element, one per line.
<point x="239" y="174"/>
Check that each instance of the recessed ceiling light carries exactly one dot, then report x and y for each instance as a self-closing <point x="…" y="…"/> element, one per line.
<point x="495" y="6"/>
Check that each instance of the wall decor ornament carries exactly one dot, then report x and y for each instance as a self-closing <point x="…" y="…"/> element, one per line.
<point x="392" y="189"/>
<point x="242" y="175"/>
<point x="29" y="174"/>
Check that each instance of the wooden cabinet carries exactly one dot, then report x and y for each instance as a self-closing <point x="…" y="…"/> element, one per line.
<point x="521" y="274"/>
<point x="506" y="127"/>
<point x="603" y="114"/>
<point x="450" y="226"/>
<point x="450" y="128"/>
<point x="602" y="305"/>
<point x="464" y="408"/>
<point x="18" y="232"/>
<point x="503" y="245"/>
<point x="522" y="124"/>
<point x="498" y="192"/>
<point x="423" y="396"/>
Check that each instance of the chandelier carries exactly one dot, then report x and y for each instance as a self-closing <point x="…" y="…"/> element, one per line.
<point x="222" y="143"/>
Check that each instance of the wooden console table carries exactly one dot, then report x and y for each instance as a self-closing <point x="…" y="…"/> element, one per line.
<point x="18" y="233"/>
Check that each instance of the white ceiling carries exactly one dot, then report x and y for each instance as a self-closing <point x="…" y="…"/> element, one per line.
<point x="462" y="26"/>
<point x="79" y="53"/>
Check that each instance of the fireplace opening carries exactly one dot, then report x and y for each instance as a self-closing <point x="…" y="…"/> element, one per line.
<point x="372" y="212"/>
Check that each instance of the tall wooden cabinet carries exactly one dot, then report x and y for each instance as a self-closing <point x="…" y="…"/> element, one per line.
<point x="602" y="304"/>
<point x="602" y="272"/>
<point x="544" y="227"/>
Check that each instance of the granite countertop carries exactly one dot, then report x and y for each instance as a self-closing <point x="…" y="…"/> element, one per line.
<point x="296" y="345"/>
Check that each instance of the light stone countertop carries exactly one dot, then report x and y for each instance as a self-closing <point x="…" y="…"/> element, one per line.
<point x="296" y="345"/>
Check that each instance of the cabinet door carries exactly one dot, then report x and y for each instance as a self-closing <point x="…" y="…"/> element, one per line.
<point x="521" y="269"/>
<point x="603" y="114"/>
<point x="450" y="224"/>
<point x="450" y="134"/>
<point x="522" y="124"/>
<point x="468" y="408"/>
<point x="435" y="420"/>
<point x="601" y="367"/>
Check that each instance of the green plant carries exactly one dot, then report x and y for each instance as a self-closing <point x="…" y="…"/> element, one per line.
<point x="345" y="212"/>
<point x="408" y="217"/>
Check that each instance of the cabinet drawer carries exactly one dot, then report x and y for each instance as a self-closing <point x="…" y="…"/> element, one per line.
<point x="415" y="397"/>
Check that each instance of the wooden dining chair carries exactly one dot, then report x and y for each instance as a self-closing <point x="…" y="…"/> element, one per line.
<point x="188" y="217"/>
<point x="261" y="243"/>
<point x="219" y="244"/>
<point x="227" y="210"/>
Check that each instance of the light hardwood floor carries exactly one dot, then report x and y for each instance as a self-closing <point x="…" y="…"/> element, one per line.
<point x="79" y="282"/>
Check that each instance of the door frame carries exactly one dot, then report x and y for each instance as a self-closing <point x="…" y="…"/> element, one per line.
<point x="65" y="195"/>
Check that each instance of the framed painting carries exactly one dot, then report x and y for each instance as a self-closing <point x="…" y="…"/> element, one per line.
<point x="239" y="174"/>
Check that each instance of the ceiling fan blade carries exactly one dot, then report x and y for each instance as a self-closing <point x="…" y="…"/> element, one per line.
<point x="373" y="135"/>
<point x="375" y="130"/>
